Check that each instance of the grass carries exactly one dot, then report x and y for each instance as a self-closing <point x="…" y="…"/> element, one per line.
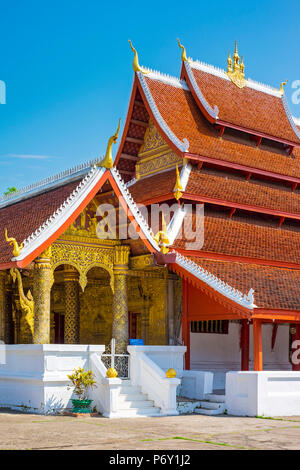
<point x="224" y="444"/>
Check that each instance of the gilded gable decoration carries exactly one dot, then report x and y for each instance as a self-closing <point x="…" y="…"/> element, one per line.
<point x="236" y="69"/>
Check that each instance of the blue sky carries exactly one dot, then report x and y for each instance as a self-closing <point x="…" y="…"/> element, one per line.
<point x="67" y="67"/>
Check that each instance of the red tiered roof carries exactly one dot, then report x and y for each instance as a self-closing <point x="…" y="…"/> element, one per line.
<point x="249" y="108"/>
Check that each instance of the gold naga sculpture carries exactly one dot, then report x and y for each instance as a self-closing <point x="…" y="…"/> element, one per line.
<point x="236" y="70"/>
<point x="162" y="238"/>
<point x="16" y="247"/>
<point x="107" y="161"/>
<point x="26" y="301"/>
<point x="178" y="185"/>
<point x="282" y="85"/>
<point x="183" y="54"/>
<point x="136" y="65"/>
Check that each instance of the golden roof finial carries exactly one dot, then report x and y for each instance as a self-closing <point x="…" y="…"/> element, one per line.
<point x="282" y="85"/>
<point x="161" y="237"/>
<point x="107" y="161"/>
<point x="16" y="247"/>
<point x="183" y="55"/>
<point x="229" y="63"/>
<point x="236" y="73"/>
<point x="136" y="65"/>
<point x="178" y="185"/>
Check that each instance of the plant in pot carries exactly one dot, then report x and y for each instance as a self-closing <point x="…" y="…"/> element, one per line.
<point x="82" y="381"/>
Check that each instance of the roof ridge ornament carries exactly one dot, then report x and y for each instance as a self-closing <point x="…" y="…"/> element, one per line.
<point x="183" y="54"/>
<point x="282" y="85"/>
<point x="161" y="237"/>
<point x="16" y="247"/>
<point x="136" y="65"/>
<point x="107" y="161"/>
<point x="236" y="69"/>
<point x="178" y="186"/>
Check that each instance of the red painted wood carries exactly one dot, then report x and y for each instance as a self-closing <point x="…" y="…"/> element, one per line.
<point x="245" y="345"/>
<point x="186" y="324"/>
<point x="257" y="346"/>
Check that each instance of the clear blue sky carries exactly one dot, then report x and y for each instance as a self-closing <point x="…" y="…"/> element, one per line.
<point x="67" y="67"/>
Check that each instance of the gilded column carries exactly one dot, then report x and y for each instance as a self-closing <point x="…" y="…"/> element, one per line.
<point x="42" y="279"/>
<point x="72" y="307"/>
<point x="120" y="300"/>
<point x="2" y="306"/>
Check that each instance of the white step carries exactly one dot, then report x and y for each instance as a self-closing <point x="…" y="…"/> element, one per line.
<point x="211" y="405"/>
<point x="130" y="390"/>
<point x="125" y="405"/>
<point x="203" y="411"/>
<point x="131" y="397"/>
<point x="135" y="412"/>
<point x="215" y="397"/>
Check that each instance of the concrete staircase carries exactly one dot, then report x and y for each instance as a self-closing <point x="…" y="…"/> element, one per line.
<point x="132" y="402"/>
<point x="214" y="404"/>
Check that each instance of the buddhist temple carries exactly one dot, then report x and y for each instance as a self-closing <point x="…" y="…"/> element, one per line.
<point x="218" y="154"/>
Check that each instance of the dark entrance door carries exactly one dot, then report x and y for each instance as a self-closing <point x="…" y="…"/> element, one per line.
<point x="59" y="328"/>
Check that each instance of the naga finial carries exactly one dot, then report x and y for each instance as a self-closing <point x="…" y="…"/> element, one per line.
<point x="161" y="237"/>
<point x="107" y="161"/>
<point x="178" y="185"/>
<point x="282" y="85"/>
<point x="229" y="63"/>
<point x="136" y="65"/>
<point x="183" y="54"/>
<point x="26" y="301"/>
<point x="16" y="247"/>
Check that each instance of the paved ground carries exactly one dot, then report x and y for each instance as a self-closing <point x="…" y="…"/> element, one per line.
<point x="27" y="431"/>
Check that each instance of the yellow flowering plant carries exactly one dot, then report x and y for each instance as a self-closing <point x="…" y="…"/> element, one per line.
<point x="82" y="380"/>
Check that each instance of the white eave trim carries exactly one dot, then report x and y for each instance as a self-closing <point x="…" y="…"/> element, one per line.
<point x="246" y="300"/>
<point x="62" y="214"/>
<point x="218" y="72"/>
<point x="182" y="146"/>
<point x="134" y="208"/>
<point x="213" y="112"/>
<point x="289" y="115"/>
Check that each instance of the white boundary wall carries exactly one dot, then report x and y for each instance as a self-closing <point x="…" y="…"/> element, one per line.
<point x="34" y="377"/>
<point x="220" y="353"/>
<point x="265" y="393"/>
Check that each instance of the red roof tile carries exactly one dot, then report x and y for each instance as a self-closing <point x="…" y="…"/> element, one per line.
<point x="243" y="192"/>
<point x="230" y="237"/>
<point x="181" y="113"/>
<point x="23" y="218"/>
<point x="246" y="107"/>
<point x="274" y="288"/>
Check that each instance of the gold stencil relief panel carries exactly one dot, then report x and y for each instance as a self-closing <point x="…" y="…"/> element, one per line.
<point x="156" y="163"/>
<point x="152" y="140"/>
<point x="96" y="314"/>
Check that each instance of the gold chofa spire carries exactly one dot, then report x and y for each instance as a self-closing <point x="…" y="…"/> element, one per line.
<point x="178" y="185"/>
<point x="136" y="65"/>
<point x="107" y="161"/>
<point x="16" y="247"/>
<point x="161" y="237"/>
<point x="183" y="54"/>
<point x="282" y="85"/>
<point x="236" y="70"/>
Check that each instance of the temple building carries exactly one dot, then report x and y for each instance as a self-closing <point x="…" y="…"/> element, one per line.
<point x="219" y="155"/>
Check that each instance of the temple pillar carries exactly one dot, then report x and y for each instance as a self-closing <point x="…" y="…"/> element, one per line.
<point x="245" y="345"/>
<point x="186" y="326"/>
<point x="257" y="346"/>
<point x="72" y="306"/>
<point x="2" y="306"/>
<point x="42" y="279"/>
<point x="120" y="299"/>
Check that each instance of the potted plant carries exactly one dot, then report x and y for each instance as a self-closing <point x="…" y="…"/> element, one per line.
<point x="82" y="381"/>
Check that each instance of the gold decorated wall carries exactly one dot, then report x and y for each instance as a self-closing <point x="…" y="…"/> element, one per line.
<point x="155" y="155"/>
